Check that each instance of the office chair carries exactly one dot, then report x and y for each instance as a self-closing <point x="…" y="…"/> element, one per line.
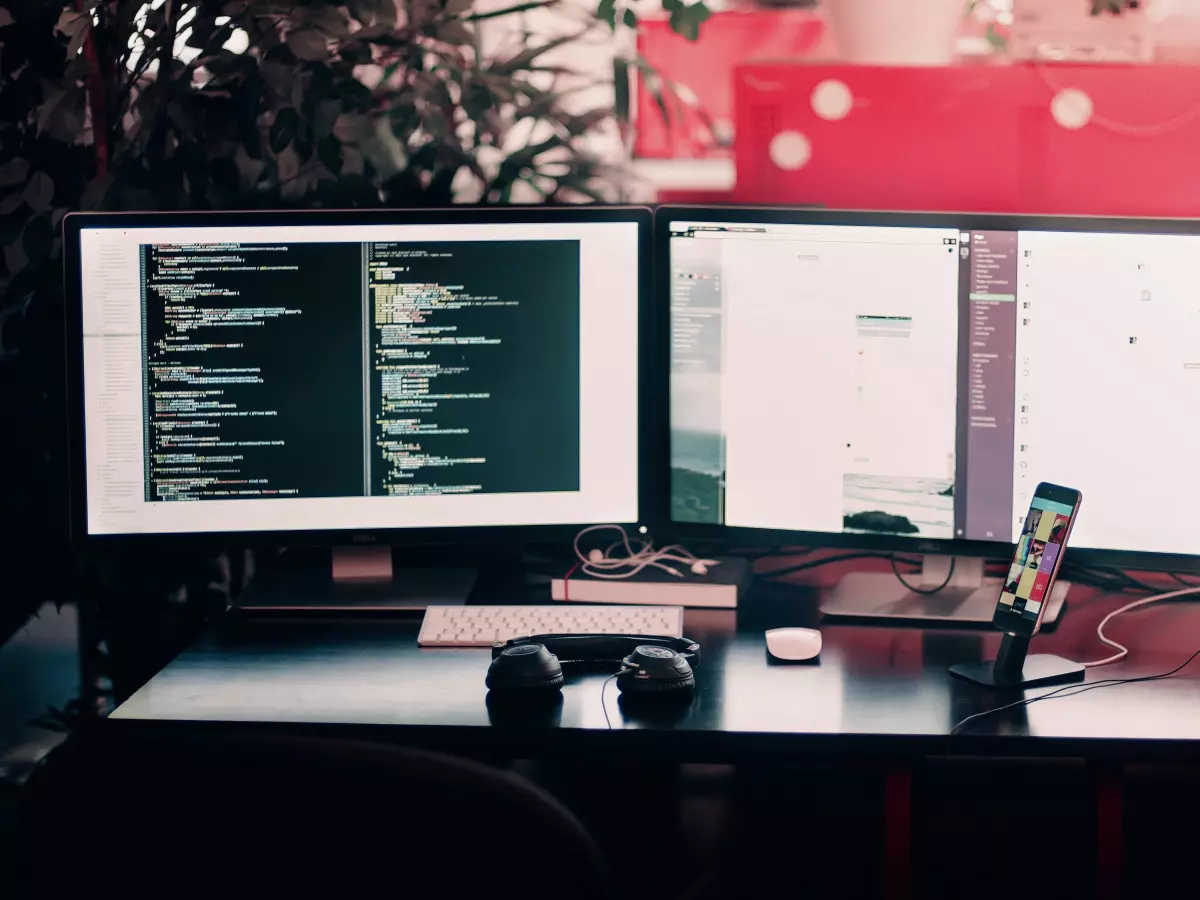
<point x="179" y="811"/>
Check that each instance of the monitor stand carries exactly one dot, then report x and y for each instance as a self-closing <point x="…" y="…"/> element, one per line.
<point x="969" y="598"/>
<point x="353" y="579"/>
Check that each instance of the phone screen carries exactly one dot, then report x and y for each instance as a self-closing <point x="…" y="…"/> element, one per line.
<point x="1043" y="538"/>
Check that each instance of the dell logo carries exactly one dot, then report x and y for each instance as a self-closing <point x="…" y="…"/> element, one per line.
<point x="363" y="538"/>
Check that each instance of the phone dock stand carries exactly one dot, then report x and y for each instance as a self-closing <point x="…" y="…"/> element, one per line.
<point x="1013" y="668"/>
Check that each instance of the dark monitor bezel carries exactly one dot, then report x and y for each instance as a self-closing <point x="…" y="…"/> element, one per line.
<point x="74" y="223"/>
<point x="661" y="514"/>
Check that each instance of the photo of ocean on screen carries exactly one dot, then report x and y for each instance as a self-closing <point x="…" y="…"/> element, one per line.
<point x="885" y="504"/>
<point x="696" y="476"/>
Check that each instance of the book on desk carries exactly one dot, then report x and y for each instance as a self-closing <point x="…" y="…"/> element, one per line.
<point x="718" y="588"/>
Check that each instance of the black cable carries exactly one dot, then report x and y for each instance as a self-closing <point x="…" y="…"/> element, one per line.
<point x="922" y="590"/>
<point x="1135" y="583"/>
<point x="1075" y="689"/>
<point x="816" y="563"/>
<point x="1113" y="580"/>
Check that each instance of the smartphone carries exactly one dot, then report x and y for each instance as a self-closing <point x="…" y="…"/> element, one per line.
<point x="1045" y="531"/>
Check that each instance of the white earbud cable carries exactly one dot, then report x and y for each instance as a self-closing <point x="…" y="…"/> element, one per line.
<point x="598" y="563"/>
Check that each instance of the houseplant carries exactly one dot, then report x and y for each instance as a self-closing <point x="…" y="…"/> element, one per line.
<point x="227" y="104"/>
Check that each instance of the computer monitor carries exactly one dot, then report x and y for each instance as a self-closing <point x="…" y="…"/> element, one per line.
<point x="902" y="381"/>
<point x="355" y="377"/>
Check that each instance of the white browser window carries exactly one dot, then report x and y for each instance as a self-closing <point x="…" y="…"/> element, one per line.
<point x="838" y="374"/>
<point x="1108" y="384"/>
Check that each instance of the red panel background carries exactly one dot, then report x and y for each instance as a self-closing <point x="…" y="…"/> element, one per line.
<point x="975" y="138"/>
<point x="706" y="68"/>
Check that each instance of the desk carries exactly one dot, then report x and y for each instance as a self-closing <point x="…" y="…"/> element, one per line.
<point x="880" y="696"/>
<point x="876" y="692"/>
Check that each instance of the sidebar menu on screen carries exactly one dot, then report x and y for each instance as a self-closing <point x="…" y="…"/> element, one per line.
<point x="985" y="503"/>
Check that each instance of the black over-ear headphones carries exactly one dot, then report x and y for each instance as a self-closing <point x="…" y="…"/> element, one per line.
<point x="648" y="665"/>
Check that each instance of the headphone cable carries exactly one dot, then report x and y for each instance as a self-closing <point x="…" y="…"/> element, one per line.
<point x="603" y="688"/>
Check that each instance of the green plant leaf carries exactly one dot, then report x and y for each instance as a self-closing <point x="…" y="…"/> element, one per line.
<point x="329" y="152"/>
<point x="37" y="239"/>
<point x="366" y="11"/>
<point x="62" y="114"/>
<point x="621" y="89"/>
<point x="325" y="117"/>
<point x="39" y="192"/>
<point x="524" y="59"/>
<point x="455" y="32"/>
<point x="629" y="17"/>
<point x="353" y="128"/>
<point x="308" y="44"/>
<point x="12" y="203"/>
<point x="686" y="20"/>
<point x="607" y="12"/>
<point x="329" y="20"/>
<point x="283" y="129"/>
<point x="96" y="191"/>
<point x="15" y="171"/>
<point x="71" y="22"/>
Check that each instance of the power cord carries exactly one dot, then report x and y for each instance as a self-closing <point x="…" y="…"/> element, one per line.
<point x="1107" y="579"/>
<point x="817" y="563"/>
<point x="917" y="589"/>
<point x="1122" y="650"/>
<point x="1074" y="689"/>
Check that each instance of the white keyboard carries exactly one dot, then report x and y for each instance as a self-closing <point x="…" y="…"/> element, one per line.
<point x="482" y="626"/>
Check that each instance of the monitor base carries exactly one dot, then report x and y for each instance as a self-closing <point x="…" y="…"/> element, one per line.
<point x="358" y="579"/>
<point x="968" y="599"/>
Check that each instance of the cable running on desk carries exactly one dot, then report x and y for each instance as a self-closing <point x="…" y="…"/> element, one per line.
<point x="1075" y="689"/>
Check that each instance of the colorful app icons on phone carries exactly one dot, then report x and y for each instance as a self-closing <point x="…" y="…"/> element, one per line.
<point x="1058" y="530"/>
<point x="1022" y="553"/>
<point x="1049" y="557"/>
<point x="1014" y="577"/>
<point x="1037" y="590"/>
<point x="1025" y="586"/>
<point x="1044" y="526"/>
<point x="1032" y="521"/>
<point x="1036" y="548"/>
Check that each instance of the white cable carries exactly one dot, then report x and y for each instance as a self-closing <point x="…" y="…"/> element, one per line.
<point x="603" y="564"/>
<point x="1122" y="650"/>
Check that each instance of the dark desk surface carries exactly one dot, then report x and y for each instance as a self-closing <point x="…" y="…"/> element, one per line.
<point x="876" y="691"/>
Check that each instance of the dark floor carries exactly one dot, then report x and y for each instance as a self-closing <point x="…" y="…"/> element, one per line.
<point x="39" y="668"/>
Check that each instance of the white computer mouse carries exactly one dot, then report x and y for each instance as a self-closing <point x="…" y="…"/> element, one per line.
<point x="794" y="644"/>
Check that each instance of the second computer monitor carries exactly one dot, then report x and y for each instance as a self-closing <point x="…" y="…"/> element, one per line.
<point x="357" y="373"/>
<point x="907" y="379"/>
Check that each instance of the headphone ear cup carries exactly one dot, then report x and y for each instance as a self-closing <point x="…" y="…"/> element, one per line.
<point x="655" y="670"/>
<point x="630" y="685"/>
<point x="525" y="669"/>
